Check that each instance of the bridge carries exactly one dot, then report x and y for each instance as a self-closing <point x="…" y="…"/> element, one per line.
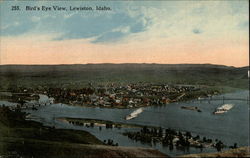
<point x="224" y="99"/>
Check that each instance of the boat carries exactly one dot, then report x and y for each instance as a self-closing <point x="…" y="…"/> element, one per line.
<point x="194" y="108"/>
<point x="224" y="108"/>
<point x="134" y="114"/>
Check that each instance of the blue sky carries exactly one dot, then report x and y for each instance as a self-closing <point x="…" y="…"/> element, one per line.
<point x="126" y="18"/>
<point x="104" y="26"/>
<point x="133" y="31"/>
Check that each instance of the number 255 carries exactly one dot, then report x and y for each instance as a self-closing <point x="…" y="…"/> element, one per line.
<point x="15" y="8"/>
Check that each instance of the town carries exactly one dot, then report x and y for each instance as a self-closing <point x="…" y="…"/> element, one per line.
<point x="114" y="95"/>
<point x="128" y="96"/>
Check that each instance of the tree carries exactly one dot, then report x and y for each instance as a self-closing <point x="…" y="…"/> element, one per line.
<point x="204" y="139"/>
<point x="235" y="145"/>
<point x="188" y="135"/>
<point x="160" y="132"/>
<point x="218" y="146"/>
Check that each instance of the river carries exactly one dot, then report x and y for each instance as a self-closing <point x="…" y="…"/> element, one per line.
<point x="230" y="127"/>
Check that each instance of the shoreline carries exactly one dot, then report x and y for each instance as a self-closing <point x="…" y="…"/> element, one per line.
<point x="205" y="92"/>
<point x="150" y="134"/>
<point x="140" y="106"/>
<point x="194" y="132"/>
<point x="45" y="141"/>
<point x="12" y="100"/>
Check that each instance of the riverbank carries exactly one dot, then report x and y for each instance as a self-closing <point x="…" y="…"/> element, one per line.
<point x="160" y="116"/>
<point x="239" y="152"/>
<point x="96" y="122"/>
<point x="143" y="95"/>
<point x="116" y="96"/>
<point x="150" y="134"/>
<point x="21" y="138"/>
<point x="20" y="97"/>
<point x="41" y="149"/>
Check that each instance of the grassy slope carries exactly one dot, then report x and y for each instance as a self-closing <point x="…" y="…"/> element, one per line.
<point x="28" y="138"/>
<point x="14" y="129"/>
<point x="55" y="149"/>
<point x="239" y="152"/>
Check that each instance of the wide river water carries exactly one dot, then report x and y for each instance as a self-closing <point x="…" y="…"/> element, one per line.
<point x="230" y="127"/>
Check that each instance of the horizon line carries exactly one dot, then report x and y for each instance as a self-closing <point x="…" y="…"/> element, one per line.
<point x="121" y="64"/>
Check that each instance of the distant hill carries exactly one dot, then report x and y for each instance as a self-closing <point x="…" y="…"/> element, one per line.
<point x="107" y="66"/>
<point x="80" y="75"/>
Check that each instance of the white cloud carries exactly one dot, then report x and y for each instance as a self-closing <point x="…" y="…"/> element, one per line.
<point x="35" y="18"/>
<point x="216" y="19"/>
<point x="123" y="29"/>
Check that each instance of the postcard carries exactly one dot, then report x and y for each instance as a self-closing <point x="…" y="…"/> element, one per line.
<point x="106" y="78"/>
